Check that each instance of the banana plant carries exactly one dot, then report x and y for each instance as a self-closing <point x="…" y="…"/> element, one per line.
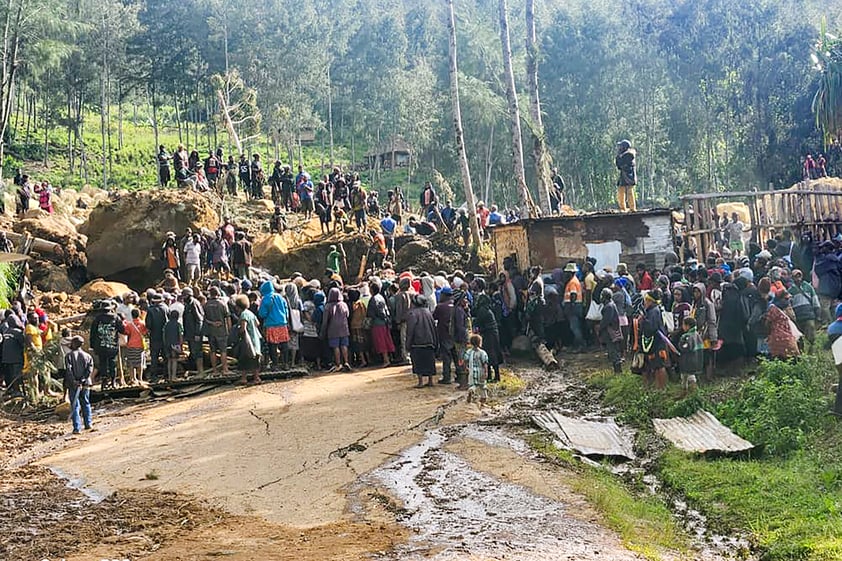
<point x="827" y="103"/>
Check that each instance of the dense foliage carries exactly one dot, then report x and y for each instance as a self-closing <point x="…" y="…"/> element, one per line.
<point x="714" y="94"/>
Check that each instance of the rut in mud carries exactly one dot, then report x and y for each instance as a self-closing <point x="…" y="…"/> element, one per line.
<point x="455" y="510"/>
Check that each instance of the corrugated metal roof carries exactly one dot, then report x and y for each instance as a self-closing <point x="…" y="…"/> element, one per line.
<point x="700" y="432"/>
<point x="601" y="214"/>
<point x="590" y="438"/>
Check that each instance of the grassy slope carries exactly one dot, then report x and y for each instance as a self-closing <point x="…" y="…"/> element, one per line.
<point x="133" y="166"/>
<point x="787" y="498"/>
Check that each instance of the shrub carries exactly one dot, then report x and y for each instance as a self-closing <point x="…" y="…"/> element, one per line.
<point x="780" y="407"/>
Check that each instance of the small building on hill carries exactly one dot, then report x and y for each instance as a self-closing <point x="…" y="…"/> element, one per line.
<point x="609" y="237"/>
<point x="396" y="153"/>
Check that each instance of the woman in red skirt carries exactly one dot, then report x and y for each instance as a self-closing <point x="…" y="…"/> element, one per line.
<point x="381" y="337"/>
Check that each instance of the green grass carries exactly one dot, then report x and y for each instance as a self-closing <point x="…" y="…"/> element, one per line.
<point x="643" y="521"/>
<point x="787" y="497"/>
<point x="791" y="507"/>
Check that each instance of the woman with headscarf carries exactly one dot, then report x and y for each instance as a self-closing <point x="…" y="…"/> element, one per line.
<point x="681" y="300"/>
<point x="359" y="333"/>
<point x="486" y="324"/>
<point x="428" y="291"/>
<point x="421" y="340"/>
<point x="294" y="305"/>
<point x="609" y="330"/>
<point x="651" y="342"/>
<point x="311" y="316"/>
<point x="732" y="323"/>
<point x="378" y="311"/>
<point x="248" y="360"/>
<point x="335" y="329"/>
<point x="783" y="339"/>
<point x="509" y="322"/>
<point x="461" y="331"/>
<point x="704" y="313"/>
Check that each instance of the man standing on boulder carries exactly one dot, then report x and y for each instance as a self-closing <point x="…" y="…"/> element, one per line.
<point x="163" y="166"/>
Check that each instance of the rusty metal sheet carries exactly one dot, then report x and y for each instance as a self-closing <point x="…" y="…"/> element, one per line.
<point x="700" y="432"/>
<point x="589" y="438"/>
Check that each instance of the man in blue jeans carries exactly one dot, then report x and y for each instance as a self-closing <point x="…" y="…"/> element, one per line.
<point x="80" y="367"/>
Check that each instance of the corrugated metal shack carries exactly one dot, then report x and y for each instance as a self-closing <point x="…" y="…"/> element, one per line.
<point x="610" y="237"/>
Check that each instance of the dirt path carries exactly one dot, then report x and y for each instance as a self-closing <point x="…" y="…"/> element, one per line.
<point x="341" y="467"/>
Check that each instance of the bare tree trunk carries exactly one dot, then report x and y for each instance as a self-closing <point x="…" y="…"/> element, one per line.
<point x="514" y="113"/>
<point x="489" y="164"/>
<point x="229" y="125"/>
<point x="330" y="115"/>
<point x="540" y="155"/>
<point x="70" y="154"/>
<point x="457" y="125"/>
<point x="46" y="127"/>
<point x="102" y="127"/>
<point x="178" y="118"/>
<point x="152" y="101"/>
<point x="9" y="73"/>
<point x="119" y="115"/>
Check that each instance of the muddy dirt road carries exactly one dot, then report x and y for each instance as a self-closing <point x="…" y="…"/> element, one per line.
<point x="346" y="466"/>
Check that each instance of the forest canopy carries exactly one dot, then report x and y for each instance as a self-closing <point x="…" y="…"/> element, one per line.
<point x="714" y="94"/>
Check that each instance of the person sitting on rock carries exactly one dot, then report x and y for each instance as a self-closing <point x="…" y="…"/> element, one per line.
<point x="278" y="222"/>
<point x="422" y="228"/>
<point x="340" y="218"/>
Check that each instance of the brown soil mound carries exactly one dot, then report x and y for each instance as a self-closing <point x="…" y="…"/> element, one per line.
<point x="51" y="227"/>
<point x="97" y="289"/>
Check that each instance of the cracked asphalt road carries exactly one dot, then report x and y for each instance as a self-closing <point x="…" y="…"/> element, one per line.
<point x="283" y="451"/>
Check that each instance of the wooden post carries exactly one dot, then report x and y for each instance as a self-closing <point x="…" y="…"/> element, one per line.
<point x="752" y="217"/>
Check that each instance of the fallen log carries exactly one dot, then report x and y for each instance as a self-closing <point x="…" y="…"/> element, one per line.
<point x="38" y="244"/>
<point x="188" y="386"/>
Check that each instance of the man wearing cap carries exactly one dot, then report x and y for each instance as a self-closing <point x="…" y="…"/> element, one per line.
<point x="573" y="297"/>
<point x="156" y="318"/>
<point x="193" y="320"/>
<point x="105" y="342"/>
<point x="625" y="162"/>
<point x="79" y="367"/>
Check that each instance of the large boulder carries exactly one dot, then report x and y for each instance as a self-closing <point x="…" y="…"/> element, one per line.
<point x="49" y="277"/>
<point x="50" y="227"/>
<point x="99" y="289"/>
<point x="125" y="236"/>
<point x="270" y="251"/>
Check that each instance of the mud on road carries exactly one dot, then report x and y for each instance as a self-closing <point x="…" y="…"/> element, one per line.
<point x="345" y="467"/>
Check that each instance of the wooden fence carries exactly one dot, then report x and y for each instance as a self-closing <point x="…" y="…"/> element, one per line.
<point x="818" y="211"/>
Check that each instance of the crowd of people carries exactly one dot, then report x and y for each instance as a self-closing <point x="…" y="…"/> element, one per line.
<point x="676" y="321"/>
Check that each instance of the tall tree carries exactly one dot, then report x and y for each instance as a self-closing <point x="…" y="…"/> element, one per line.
<point x="540" y="155"/>
<point x="514" y="113"/>
<point x="457" y="125"/>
